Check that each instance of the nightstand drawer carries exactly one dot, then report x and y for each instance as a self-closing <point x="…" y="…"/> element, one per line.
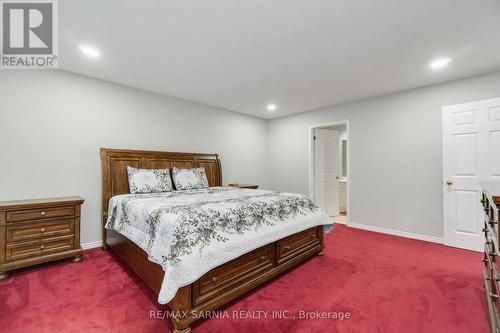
<point x="24" y="215"/>
<point x="26" y="231"/>
<point x="35" y="249"/>
<point x="247" y="186"/>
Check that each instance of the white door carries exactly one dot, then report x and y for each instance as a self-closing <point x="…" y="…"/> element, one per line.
<point x="471" y="150"/>
<point x="326" y="170"/>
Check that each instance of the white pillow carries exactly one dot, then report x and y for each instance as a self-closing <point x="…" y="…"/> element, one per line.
<point x="148" y="180"/>
<point x="189" y="179"/>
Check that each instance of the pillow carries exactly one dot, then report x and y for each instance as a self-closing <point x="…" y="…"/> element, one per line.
<point x="148" y="180"/>
<point x="189" y="179"/>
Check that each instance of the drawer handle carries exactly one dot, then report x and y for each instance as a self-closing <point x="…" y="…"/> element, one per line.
<point x="42" y="247"/>
<point x="313" y="236"/>
<point x="42" y="230"/>
<point x="43" y="213"/>
<point x="262" y="258"/>
<point x="287" y="248"/>
<point x="214" y="279"/>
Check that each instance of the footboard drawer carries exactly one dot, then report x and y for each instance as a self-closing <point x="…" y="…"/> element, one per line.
<point x="238" y="271"/>
<point x="290" y="246"/>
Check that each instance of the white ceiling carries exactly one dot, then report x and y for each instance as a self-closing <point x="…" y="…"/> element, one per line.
<point x="301" y="55"/>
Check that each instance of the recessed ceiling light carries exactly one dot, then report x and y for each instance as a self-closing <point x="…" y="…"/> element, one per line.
<point x="89" y="51"/>
<point x="271" y="107"/>
<point x="440" y="63"/>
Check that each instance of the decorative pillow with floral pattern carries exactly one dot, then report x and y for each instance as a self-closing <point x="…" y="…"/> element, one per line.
<point x="148" y="180"/>
<point x="189" y="179"/>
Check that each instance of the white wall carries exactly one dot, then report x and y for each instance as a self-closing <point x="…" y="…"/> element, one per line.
<point x="395" y="143"/>
<point x="52" y="125"/>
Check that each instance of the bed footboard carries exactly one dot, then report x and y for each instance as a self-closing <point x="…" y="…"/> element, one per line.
<point x="226" y="282"/>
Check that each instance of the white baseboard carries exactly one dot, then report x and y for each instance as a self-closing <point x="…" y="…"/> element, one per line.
<point x="439" y="240"/>
<point x="91" y="245"/>
<point x="400" y="233"/>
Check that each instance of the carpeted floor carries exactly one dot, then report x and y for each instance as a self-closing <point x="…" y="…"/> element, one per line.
<point x="383" y="283"/>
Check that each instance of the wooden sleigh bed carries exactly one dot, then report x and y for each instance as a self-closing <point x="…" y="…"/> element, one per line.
<point x="222" y="284"/>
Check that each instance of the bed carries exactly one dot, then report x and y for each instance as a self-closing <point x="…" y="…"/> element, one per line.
<point x="200" y="249"/>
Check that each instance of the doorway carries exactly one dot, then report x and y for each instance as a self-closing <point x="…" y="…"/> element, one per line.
<point x="329" y="173"/>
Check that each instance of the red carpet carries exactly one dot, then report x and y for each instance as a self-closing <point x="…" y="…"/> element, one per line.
<point x="386" y="283"/>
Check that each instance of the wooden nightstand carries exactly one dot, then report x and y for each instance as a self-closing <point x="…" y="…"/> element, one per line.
<point x="38" y="231"/>
<point x="250" y="186"/>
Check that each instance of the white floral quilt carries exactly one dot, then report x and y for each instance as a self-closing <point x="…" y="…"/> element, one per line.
<point x="193" y="231"/>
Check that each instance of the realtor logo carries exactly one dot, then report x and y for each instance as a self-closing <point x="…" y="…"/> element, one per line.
<point x="29" y="34"/>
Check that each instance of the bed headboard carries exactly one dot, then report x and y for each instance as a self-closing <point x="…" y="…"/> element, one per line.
<point x="115" y="161"/>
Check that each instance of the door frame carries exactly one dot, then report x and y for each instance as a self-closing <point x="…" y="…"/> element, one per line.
<point x="310" y="134"/>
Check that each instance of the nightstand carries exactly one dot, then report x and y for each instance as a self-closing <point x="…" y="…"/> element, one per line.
<point x="250" y="186"/>
<point x="38" y="231"/>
